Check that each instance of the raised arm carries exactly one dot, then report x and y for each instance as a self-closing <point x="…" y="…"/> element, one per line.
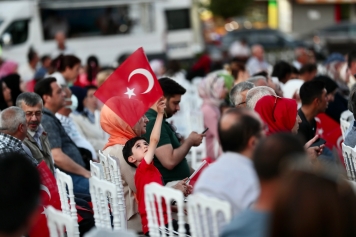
<point x="156" y="131"/>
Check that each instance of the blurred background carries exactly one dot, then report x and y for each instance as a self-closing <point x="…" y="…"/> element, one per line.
<point x="175" y="29"/>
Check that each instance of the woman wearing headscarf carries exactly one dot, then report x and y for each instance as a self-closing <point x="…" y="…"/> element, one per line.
<point x="280" y="114"/>
<point x="120" y="132"/>
<point x="213" y="91"/>
<point x="14" y="83"/>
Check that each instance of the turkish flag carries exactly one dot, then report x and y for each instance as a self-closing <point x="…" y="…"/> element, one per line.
<point x="49" y="197"/>
<point x="131" y="89"/>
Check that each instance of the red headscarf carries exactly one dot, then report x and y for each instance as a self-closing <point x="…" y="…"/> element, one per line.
<point x="279" y="113"/>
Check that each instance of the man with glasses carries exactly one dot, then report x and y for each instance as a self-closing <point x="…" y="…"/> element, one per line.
<point x="36" y="139"/>
<point x="238" y="93"/>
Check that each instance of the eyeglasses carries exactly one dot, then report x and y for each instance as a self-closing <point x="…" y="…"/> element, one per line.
<point x="274" y="107"/>
<point x="36" y="113"/>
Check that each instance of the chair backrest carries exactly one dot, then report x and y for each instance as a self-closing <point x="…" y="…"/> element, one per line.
<point x="346" y="115"/>
<point x="117" y="180"/>
<point x="103" y="194"/>
<point x="204" y="215"/>
<point x="347" y="153"/>
<point x="98" y="232"/>
<point x="344" y="125"/>
<point x="104" y="162"/>
<point x="154" y="194"/>
<point x="96" y="169"/>
<point x="65" y="188"/>
<point x="59" y="222"/>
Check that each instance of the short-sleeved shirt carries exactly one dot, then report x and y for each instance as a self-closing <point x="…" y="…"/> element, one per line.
<point x="58" y="138"/>
<point x="306" y="129"/>
<point x="145" y="174"/>
<point x="168" y="136"/>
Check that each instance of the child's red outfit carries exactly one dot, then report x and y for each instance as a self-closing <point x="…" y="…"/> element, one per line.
<point x="145" y="174"/>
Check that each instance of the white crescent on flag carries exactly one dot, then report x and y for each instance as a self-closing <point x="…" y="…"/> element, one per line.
<point x="148" y="76"/>
<point x="44" y="188"/>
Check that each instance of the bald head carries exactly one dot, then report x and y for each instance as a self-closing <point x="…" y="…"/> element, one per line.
<point x="60" y="37"/>
<point x="236" y="127"/>
<point x="258" y="51"/>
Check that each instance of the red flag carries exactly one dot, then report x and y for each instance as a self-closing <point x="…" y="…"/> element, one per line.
<point x="195" y="176"/>
<point x="49" y="196"/>
<point x="131" y="89"/>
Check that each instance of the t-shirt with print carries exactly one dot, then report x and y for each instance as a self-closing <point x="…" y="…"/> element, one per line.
<point x="145" y="174"/>
<point x="168" y="136"/>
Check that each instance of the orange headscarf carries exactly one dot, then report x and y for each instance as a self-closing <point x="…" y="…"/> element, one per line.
<point x="120" y="132"/>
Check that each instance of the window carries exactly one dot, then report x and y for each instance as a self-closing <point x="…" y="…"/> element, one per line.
<point x="96" y="21"/>
<point x="18" y="30"/>
<point x="178" y="19"/>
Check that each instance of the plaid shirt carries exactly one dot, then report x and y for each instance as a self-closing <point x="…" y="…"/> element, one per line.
<point x="12" y="144"/>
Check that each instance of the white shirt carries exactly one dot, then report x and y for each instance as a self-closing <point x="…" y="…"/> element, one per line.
<point x="26" y="72"/>
<point x="232" y="178"/>
<point x="72" y="131"/>
<point x="255" y="66"/>
<point x="60" y="79"/>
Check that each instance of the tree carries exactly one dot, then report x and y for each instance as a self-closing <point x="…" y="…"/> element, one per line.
<point x="228" y="8"/>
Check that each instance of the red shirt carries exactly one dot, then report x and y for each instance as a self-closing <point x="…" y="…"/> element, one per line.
<point x="145" y="174"/>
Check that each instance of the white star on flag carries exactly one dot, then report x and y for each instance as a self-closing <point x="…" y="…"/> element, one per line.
<point x="130" y="92"/>
<point x="44" y="211"/>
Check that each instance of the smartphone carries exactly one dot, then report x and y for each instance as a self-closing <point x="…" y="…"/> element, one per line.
<point x="318" y="142"/>
<point x="205" y="130"/>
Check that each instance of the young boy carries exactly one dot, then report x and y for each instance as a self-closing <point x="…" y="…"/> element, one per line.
<point x="138" y="153"/>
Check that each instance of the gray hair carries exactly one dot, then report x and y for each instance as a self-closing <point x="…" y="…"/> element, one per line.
<point x="256" y="94"/>
<point x="235" y="93"/>
<point x="255" y="79"/>
<point x="11" y="118"/>
<point x="29" y="98"/>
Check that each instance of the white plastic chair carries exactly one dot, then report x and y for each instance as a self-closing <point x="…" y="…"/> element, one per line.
<point x="104" y="162"/>
<point x="347" y="153"/>
<point x="101" y="192"/>
<point x="98" y="232"/>
<point x="59" y="222"/>
<point x="154" y="193"/>
<point x="117" y="180"/>
<point x="347" y="115"/>
<point x="344" y="125"/>
<point x="96" y="169"/>
<point x="203" y="214"/>
<point x="65" y="188"/>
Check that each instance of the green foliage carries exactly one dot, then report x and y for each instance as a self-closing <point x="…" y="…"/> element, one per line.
<point x="228" y="8"/>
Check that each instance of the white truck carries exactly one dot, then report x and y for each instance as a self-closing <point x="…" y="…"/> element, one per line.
<point x="104" y="28"/>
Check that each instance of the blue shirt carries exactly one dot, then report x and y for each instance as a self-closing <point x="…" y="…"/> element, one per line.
<point x="350" y="137"/>
<point x="249" y="223"/>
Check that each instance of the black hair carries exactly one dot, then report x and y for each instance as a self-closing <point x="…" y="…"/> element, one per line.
<point x="127" y="150"/>
<point x="170" y="87"/>
<point x="92" y="70"/>
<point x="330" y="84"/>
<point x="281" y="69"/>
<point x="173" y="67"/>
<point x="44" y="58"/>
<point x="31" y="54"/>
<point x="3" y="103"/>
<point x="43" y="87"/>
<point x="236" y="137"/>
<point x="20" y="191"/>
<point x="262" y="73"/>
<point x="91" y="87"/>
<point x="311" y="90"/>
<point x="63" y="61"/>
<point x="351" y="57"/>
<point x="13" y="82"/>
<point x="308" y="68"/>
<point x="295" y="70"/>
<point x="268" y="161"/>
